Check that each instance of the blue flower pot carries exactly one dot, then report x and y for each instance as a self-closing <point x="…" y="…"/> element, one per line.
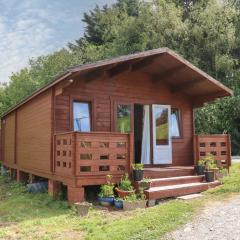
<point x="118" y="204"/>
<point x="106" y="201"/>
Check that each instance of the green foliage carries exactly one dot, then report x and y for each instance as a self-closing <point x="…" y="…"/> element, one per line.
<point x="138" y="166"/>
<point x="125" y="183"/>
<point x="106" y="190"/>
<point x="201" y="162"/>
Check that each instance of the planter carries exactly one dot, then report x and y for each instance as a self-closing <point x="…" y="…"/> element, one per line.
<point x="209" y="176"/>
<point x="200" y="170"/>
<point x="82" y="208"/>
<point x="106" y="201"/>
<point x="118" y="204"/>
<point x="137" y="175"/>
<point x="221" y="175"/>
<point x="145" y="185"/>
<point x="122" y="193"/>
<point x="128" y="206"/>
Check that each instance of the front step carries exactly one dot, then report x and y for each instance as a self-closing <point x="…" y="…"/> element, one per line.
<point x="168" y="172"/>
<point x="158" y="182"/>
<point x="154" y="193"/>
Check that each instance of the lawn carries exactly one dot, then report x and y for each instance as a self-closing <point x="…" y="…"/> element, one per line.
<point x="28" y="216"/>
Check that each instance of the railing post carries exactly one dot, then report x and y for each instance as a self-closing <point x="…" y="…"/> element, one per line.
<point x="196" y="148"/>
<point x="54" y="154"/>
<point x="229" y="150"/>
<point x="131" y="152"/>
<point x="74" y="147"/>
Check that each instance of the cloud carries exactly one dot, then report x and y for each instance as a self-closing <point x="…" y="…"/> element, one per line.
<point x="30" y="28"/>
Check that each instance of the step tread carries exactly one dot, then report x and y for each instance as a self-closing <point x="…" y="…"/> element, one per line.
<point x="178" y="186"/>
<point x="176" y="178"/>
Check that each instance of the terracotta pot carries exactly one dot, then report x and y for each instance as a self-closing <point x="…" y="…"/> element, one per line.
<point x="122" y="194"/>
<point x="128" y="206"/>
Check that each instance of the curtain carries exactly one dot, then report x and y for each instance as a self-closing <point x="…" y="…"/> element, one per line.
<point x="145" y="154"/>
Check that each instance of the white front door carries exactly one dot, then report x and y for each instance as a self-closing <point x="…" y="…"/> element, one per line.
<point x="162" y="141"/>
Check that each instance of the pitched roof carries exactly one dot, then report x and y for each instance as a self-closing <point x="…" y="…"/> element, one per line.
<point x="179" y="73"/>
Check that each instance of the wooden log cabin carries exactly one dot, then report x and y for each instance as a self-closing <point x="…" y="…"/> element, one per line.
<point x="98" y="119"/>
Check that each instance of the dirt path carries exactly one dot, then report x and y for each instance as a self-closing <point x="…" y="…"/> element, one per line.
<point x="220" y="221"/>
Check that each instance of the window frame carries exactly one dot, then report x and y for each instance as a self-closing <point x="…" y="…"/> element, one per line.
<point x="116" y="103"/>
<point x="179" y="123"/>
<point x="90" y="103"/>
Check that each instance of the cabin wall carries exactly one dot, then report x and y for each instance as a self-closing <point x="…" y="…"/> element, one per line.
<point x="33" y="136"/>
<point x="137" y="87"/>
<point x="8" y="133"/>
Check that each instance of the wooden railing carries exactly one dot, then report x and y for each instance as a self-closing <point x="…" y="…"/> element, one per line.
<point x="217" y="145"/>
<point x="92" y="154"/>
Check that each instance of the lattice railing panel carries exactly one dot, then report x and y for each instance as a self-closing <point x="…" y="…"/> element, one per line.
<point x="217" y="145"/>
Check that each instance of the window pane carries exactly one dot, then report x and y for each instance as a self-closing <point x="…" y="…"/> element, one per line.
<point x="123" y="118"/>
<point x="81" y="117"/>
<point x="175" y="126"/>
<point x="161" y="121"/>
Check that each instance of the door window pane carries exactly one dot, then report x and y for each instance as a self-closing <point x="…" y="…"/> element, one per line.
<point x="81" y="117"/>
<point x="175" y="123"/>
<point x="161" y="121"/>
<point x="123" y="118"/>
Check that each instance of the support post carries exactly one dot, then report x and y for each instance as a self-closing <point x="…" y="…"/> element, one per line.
<point x="75" y="194"/>
<point x="54" y="188"/>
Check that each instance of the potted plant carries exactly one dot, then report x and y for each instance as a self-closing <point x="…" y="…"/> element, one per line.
<point x="137" y="171"/>
<point x="125" y="187"/>
<point x="134" y="201"/>
<point x="223" y="172"/>
<point x="106" y="195"/>
<point x="200" y="168"/>
<point x="145" y="183"/>
<point x="118" y="203"/>
<point x="211" y="168"/>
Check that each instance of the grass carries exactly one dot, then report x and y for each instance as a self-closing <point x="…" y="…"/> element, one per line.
<point x="28" y="216"/>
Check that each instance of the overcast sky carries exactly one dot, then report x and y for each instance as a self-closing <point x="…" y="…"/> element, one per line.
<point x="29" y="28"/>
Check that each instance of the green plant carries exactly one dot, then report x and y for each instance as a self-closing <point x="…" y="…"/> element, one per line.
<point x="131" y="198"/>
<point x="125" y="183"/>
<point x="201" y="162"/>
<point x="137" y="166"/>
<point x="210" y="162"/>
<point x="106" y="190"/>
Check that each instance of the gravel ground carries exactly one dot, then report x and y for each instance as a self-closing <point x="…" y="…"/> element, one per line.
<point x="220" y="221"/>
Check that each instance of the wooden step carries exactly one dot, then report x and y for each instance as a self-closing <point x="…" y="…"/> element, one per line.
<point x="178" y="190"/>
<point x="158" y="182"/>
<point x="168" y="172"/>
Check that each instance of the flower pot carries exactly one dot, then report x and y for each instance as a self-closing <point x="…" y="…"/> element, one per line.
<point x="200" y="170"/>
<point x="209" y="176"/>
<point x="122" y="194"/>
<point x="128" y="206"/>
<point x="145" y="185"/>
<point x="82" y="208"/>
<point x="106" y="201"/>
<point x="118" y="204"/>
<point x="137" y="175"/>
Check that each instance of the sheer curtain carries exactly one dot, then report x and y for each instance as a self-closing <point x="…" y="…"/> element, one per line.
<point x="145" y="154"/>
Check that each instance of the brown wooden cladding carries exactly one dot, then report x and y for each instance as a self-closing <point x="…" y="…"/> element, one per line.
<point x="9" y="139"/>
<point x="138" y="87"/>
<point x="34" y="134"/>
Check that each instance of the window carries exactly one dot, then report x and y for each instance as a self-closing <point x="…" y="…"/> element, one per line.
<point x="81" y="117"/>
<point x="123" y="118"/>
<point x="162" y="126"/>
<point x="175" y="120"/>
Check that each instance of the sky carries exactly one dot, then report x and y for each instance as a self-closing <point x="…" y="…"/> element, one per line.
<point x="30" y="28"/>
